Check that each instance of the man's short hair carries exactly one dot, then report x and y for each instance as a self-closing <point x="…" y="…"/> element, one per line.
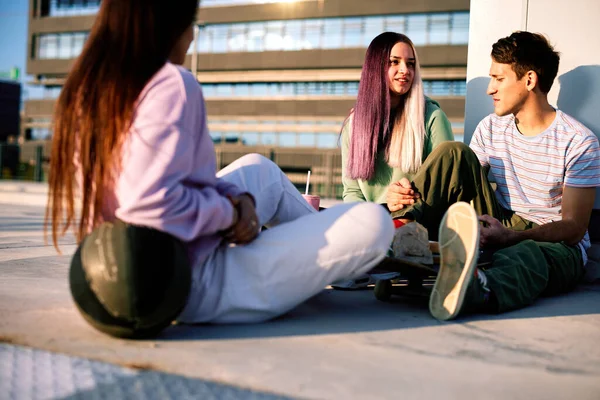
<point x="526" y="51"/>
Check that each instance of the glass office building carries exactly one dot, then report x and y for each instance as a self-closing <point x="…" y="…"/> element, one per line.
<point x="276" y="74"/>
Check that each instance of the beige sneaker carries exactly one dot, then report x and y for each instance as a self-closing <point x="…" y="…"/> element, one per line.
<point x="411" y="243"/>
<point x="459" y="247"/>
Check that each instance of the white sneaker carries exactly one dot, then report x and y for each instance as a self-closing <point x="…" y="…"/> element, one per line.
<point x="459" y="248"/>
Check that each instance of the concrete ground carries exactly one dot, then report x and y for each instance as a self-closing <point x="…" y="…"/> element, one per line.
<point x="336" y="345"/>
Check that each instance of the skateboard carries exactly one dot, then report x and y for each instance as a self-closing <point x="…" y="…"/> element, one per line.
<point x="416" y="279"/>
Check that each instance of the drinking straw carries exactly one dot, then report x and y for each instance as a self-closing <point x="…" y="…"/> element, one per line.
<point x="307" y="182"/>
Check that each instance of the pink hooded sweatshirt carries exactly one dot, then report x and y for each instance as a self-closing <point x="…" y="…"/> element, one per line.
<point x="167" y="180"/>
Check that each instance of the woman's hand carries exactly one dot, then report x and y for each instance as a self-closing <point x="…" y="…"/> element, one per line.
<point x="246" y="227"/>
<point x="401" y="194"/>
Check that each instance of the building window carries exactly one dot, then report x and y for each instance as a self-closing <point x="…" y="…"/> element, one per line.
<point x="459" y="28"/>
<point x="220" y="39"/>
<point x="67" y="8"/>
<point x="330" y="33"/>
<point x="251" y="138"/>
<point x="237" y="38"/>
<point x="289" y="133"/>
<point x="274" y="37"/>
<point x="445" y="88"/>
<point x="375" y="25"/>
<point x="52" y="92"/>
<point x="286" y="132"/>
<point x="79" y="39"/>
<point x="65" y="48"/>
<point x="276" y="132"/>
<point x="221" y="3"/>
<point x="439" y="29"/>
<point x="416" y="29"/>
<point x="313" y="33"/>
<point x="42" y="47"/>
<point x="39" y="128"/>
<point x="394" y="23"/>
<point x="293" y="37"/>
<point x="40" y="133"/>
<point x="61" y="46"/>
<point x="49" y="46"/>
<point x="333" y="33"/>
<point x="353" y="32"/>
<point x="290" y="89"/>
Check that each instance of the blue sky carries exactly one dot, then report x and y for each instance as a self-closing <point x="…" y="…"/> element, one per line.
<point x="13" y="33"/>
<point x="13" y="36"/>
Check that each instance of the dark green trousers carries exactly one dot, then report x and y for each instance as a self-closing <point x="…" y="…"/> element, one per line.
<point x="518" y="274"/>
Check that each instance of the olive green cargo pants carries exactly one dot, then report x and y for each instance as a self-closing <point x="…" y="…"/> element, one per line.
<point x="518" y="274"/>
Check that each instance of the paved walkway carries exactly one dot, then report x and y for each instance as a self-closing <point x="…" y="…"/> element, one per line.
<point x="336" y="345"/>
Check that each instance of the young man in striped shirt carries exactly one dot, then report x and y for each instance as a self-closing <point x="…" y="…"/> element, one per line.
<point x="546" y="166"/>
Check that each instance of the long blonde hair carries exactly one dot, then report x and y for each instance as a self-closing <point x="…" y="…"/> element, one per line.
<point x="408" y="133"/>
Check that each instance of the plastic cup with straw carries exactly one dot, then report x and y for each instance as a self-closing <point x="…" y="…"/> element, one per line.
<point x="313" y="200"/>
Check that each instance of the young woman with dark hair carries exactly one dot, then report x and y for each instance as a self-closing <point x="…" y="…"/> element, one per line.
<point x="391" y="130"/>
<point x="132" y="155"/>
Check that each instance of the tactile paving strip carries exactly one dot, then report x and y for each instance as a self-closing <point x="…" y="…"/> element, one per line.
<point x="27" y="373"/>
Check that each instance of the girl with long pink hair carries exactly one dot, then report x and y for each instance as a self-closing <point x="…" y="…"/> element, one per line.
<point x="391" y="130"/>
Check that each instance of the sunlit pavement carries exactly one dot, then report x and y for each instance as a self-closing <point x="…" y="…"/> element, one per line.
<point x="336" y="345"/>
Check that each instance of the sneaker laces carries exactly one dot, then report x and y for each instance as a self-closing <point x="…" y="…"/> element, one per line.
<point x="482" y="279"/>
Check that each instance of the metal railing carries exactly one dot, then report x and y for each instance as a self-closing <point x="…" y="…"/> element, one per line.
<point x="29" y="161"/>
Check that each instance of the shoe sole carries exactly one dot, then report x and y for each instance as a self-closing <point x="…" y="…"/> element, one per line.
<point x="459" y="246"/>
<point x="354" y="284"/>
<point x="385" y="276"/>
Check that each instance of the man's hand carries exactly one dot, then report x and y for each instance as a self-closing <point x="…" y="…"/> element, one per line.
<point x="246" y="229"/>
<point x="577" y="204"/>
<point x="401" y="194"/>
<point x="494" y="233"/>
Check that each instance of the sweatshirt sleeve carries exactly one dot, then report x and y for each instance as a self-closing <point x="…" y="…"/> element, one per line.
<point x="352" y="192"/>
<point x="153" y="192"/>
<point x="165" y="150"/>
<point x="439" y="129"/>
<point x="227" y="188"/>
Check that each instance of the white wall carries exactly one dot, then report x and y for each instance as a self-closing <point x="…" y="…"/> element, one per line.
<point x="572" y="26"/>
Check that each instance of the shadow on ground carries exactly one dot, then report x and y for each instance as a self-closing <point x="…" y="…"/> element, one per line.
<point x="330" y="312"/>
<point x="334" y="312"/>
<point x="36" y="281"/>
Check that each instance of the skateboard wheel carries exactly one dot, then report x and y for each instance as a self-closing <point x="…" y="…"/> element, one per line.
<point x="383" y="290"/>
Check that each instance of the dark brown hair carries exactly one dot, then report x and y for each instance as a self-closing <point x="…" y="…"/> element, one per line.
<point x="129" y="42"/>
<point x="526" y="51"/>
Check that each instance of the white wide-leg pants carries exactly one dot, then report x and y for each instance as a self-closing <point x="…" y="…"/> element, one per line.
<point x="301" y="253"/>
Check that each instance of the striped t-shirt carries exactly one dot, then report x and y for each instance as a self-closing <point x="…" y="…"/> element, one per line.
<point x="531" y="171"/>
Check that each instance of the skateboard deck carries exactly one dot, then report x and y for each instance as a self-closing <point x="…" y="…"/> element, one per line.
<point x="416" y="279"/>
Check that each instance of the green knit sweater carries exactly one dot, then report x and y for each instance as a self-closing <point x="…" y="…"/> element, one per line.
<point x="437" y="130"/>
